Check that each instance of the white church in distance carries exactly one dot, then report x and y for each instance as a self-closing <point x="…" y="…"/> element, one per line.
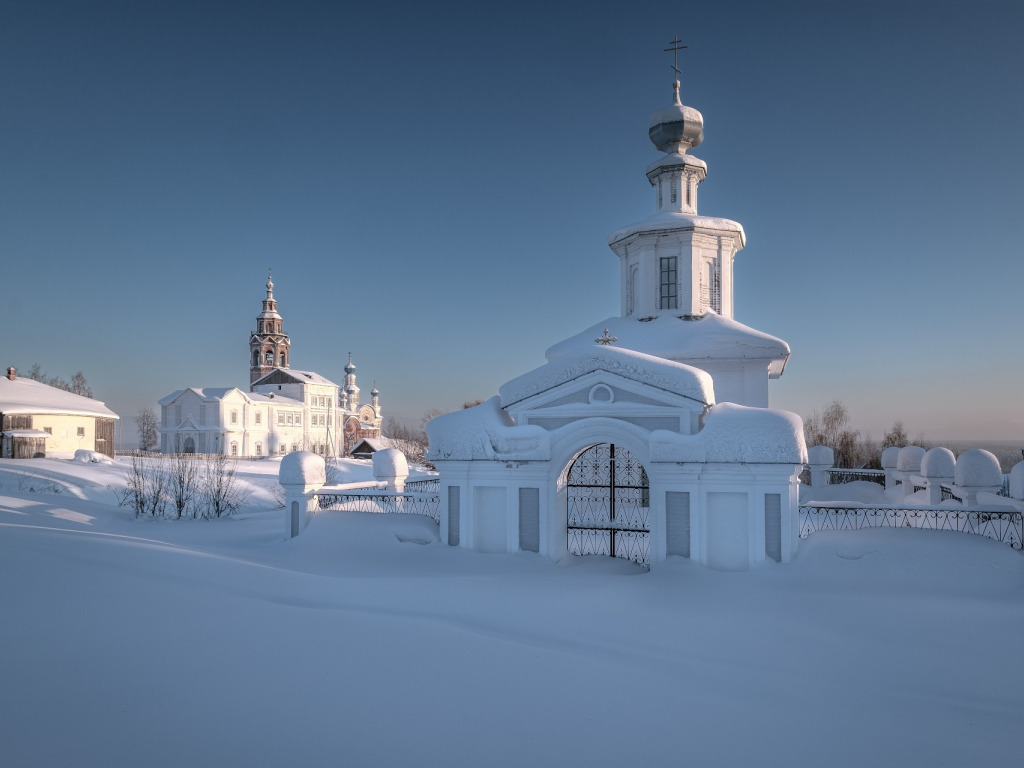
<point x="285" y="409"/>
<point x="647" y="435"/>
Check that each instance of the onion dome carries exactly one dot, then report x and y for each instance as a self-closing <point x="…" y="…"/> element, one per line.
<point x="350" y="368"/>
<point x="676" y="128"/>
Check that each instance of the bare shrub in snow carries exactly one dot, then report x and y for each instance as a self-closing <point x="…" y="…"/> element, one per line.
<point x="221" y="492"/>
<point x="145" y="491"/>
<point x="183" y="483"/>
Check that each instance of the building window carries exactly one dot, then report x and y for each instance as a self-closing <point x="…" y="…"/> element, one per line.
<point x="255" y="358"/>
<point x="259" y="449"/>
<point x="667" y="296"/>
<point x="234" y="449"/>
<point x="280" y="419"/>
<point x="259" y="417"/>
<point x="298" y="419"/>
<point x="673" y="193"/>
<point x="48" y="430"/>
<point x="269" y="357"/>
<point x="81" y="431"/>
<point x="234" y="417"/>
<point x="282" y="360"/>
<point x="290" y="419"/>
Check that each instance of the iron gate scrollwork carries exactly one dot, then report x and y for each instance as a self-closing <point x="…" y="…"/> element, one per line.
<point x="609" y="505"/>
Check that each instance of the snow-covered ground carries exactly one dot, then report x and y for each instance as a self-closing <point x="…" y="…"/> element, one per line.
<point x="366" y="642"/>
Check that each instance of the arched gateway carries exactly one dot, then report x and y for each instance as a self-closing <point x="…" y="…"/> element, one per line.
<point x="608" y="505"/>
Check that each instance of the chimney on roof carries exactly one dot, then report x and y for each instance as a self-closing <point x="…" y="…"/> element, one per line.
<point x="10" y="373"/>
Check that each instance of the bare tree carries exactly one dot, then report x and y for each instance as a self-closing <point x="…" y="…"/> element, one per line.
<point x="78" y="385"/>
<point x="830" y="427"/>
<point x="222" y="492"/>
<point x="149" y="428"/>
<point x="895" y="437"/>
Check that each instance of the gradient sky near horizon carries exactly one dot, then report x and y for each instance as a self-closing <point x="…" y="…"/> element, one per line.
<point x="434" y="184"/>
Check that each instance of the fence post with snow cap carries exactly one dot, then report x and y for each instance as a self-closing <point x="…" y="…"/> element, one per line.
<point x="820" y="459"/>
<point x="301" y="475"/>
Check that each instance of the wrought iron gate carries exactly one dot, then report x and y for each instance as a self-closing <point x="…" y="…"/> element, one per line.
<point x="609" y="505"/>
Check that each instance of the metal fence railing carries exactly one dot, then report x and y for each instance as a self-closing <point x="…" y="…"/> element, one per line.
<point x="1006" y="526"/>
<point x="383" y="502"/>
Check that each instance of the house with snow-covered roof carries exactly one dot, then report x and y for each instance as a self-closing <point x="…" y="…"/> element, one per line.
<point x="647" y="435"/>
<point x="286" y="409"/>
<point x="37" y="420"/>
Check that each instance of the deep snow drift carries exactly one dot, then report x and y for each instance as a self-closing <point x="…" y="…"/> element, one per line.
<point x="365" y="642"/>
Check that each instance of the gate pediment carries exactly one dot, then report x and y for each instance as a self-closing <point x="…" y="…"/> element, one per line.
<point x="649" y="392"/>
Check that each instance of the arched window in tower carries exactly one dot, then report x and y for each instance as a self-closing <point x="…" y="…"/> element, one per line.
<point x="269" y="357"/>
<point x="711" y="286"/>
<point x="668" y="286"/>
<point x="673" y="192"/>
<point x="282" y="360"/>
<point x="255" y="358"/>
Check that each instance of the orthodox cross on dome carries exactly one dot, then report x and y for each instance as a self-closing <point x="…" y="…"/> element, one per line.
<point x="676" y="48"/>
<point x="607" y="338"/>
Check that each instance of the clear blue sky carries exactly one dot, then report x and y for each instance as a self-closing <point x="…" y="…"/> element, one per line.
<point x="433" y="185"/>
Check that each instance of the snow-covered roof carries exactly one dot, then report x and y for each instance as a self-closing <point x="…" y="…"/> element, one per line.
<point x="301" y="377"/>
<point x="706" y="337"/>
<point x="26" y="396"/>
<point x="483" y="432"/>
<point x="736" y="434"/>
<point x="672" y="220"/>
<point x="578" y="361"/>
<point x="217" y="394"/>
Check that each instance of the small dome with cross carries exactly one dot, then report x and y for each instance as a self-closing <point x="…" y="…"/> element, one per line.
<point x="676" y="128"/>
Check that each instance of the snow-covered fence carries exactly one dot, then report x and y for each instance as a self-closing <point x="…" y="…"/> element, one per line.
<point x="424" y="485"/>
<point x="1006" y="526"/>
<point x="840" y="476"/>
<point x="383" y="502"/>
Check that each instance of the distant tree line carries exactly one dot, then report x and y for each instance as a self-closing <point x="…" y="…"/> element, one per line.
<point x="831" y="427"/>
<point x="78" y="385"/>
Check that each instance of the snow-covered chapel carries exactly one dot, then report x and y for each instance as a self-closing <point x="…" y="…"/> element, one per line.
<point x="646" y="435"/>
<point x="284" y="410"/>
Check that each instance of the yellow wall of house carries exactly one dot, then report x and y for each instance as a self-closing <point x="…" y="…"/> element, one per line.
<point x="64" y="432"/>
